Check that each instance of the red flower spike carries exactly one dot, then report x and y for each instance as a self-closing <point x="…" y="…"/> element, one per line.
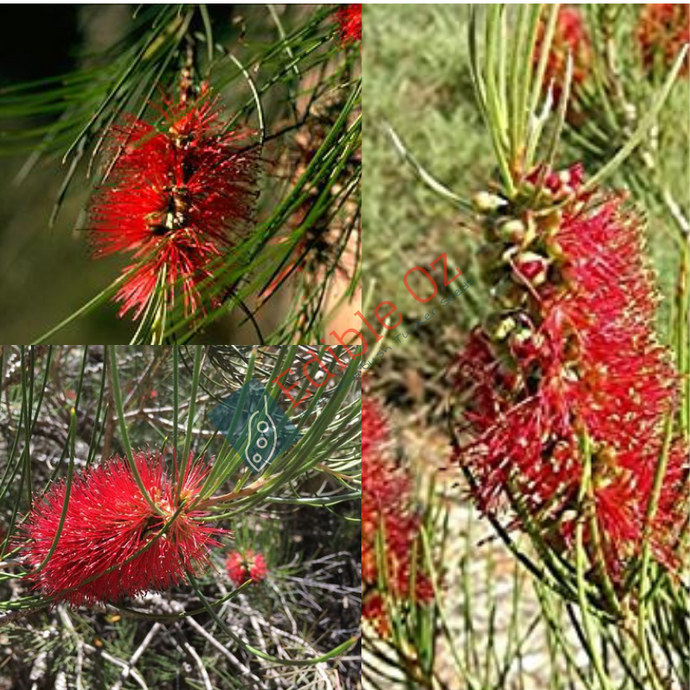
<point x="374" y="610"/>
<point x="108" y="521"/>
<point x="175" y="201"/>
<point x="375" y="432"/>
<point x="580" y="355"/>
<point x="386" y="499"/>
<point x="662" y="31"/>
<point x="350" y="21"/>
<point x="244" y="567"/>
<point x="570" y="38"/>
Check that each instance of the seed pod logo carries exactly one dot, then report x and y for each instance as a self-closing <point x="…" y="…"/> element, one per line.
<point x="254" y="425"/>
<point x="260" y="454"/>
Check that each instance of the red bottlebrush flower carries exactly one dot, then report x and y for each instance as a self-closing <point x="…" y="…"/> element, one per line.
<point x="257" y="567"/>
<point x="108" y="521"/>
<point x="174" y="202"/>
<point x="571" y="355"/>
<point x="570" y="37"/>
<point x="662" y="31"/>
<point x="350" y="21"/>
<point x="387" y="514"/>
<point x="248" y="566"/>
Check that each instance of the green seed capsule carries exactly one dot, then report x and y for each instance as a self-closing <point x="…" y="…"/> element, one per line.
<point x="512" y="230"/>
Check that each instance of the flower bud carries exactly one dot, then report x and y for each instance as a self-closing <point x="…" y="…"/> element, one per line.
<point x="486" y="202"/>
<point x="532" y="267"/>
<point x="512" y="230"/>
<point x="525" y="344"/>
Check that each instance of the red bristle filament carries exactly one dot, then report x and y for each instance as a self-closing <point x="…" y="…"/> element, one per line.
<point x="350" y="21"/>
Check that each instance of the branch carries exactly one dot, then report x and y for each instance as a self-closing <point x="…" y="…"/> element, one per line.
<point x="135" y="657"/>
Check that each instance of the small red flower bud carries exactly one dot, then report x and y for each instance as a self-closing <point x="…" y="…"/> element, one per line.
<point x="531" y="267"/>
<point x="243" y="567"/>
